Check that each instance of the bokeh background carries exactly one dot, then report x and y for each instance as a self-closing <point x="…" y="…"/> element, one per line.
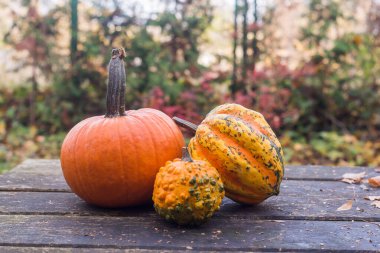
<point x="312" y="67"/>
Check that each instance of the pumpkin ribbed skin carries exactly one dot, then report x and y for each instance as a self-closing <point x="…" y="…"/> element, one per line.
<point x="187" y="193"/>
<point x="244" y="149"/>
<point x="112" y="162"/>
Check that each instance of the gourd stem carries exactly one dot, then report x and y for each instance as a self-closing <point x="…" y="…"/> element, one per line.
<point x="186" y="155"/>
<point x="116" y="85"/>
<point x="186" y="124"/>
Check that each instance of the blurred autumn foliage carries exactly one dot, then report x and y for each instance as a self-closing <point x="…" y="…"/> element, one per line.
<point x="325" y="108"/>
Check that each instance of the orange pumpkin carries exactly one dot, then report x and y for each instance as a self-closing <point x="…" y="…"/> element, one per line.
<point x="112" y="160"/>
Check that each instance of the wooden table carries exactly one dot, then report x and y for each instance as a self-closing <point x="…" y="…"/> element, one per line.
<point x="38" y="212"/>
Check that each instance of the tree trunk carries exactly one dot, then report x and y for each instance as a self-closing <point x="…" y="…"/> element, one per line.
<point x="75" y="68"/>
<point x="255" y="47"/>
<point x="233" y="86"/>
<point x="74" y="32"/>
<point x="34" y="91"/>
<point x="245" y="42"/>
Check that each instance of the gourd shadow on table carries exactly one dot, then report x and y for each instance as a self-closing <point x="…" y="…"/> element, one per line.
<point x="228" y="209"/>
<point x="234" y="225"/>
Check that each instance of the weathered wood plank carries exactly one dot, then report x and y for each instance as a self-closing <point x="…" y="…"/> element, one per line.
<point x="35" y="175"/>
<point x="230" y="233"/>
<point x="54" y="219"/>
<point x="46" y="175"/>
<point x="322" y="173"/>
<point x="11" y="249"/>
<point x="319" y="201"/>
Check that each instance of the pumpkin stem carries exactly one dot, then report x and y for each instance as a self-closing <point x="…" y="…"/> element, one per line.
<point x="186" y="124"/>
<point x="116" y="85"/>
<point x="186" y="155"/>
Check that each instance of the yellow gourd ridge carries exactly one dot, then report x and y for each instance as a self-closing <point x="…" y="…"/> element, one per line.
<point x="244" y="149"/>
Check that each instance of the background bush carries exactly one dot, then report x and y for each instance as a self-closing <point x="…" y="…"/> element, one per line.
<point x="325" y="109"/>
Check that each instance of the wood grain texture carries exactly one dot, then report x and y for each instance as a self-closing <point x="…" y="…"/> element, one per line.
<point x="231" y="233"/>
<point x="35" y="175"/>
<point x="46" y="175"/>
<point x="13" y="249"/>
<point x="26" y="249"/>
<point x="322" y="173"/>
<point x="38" y="213"/>
<point x="319" y="201"/>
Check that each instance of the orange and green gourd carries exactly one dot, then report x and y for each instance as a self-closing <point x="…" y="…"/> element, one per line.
<point x="112" y="160"/>
<point x="187" y="191"/>
<point x="241" y="145"/>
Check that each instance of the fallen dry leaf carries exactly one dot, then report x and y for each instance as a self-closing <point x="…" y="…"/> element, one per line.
<point x="346" y="206"/>
<point x="374" y="181"/>
<point x="348" y="181"/>
<point x="376" y="203"/>
<point x="353" y="178"/>
<point x="372" y="198"/>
